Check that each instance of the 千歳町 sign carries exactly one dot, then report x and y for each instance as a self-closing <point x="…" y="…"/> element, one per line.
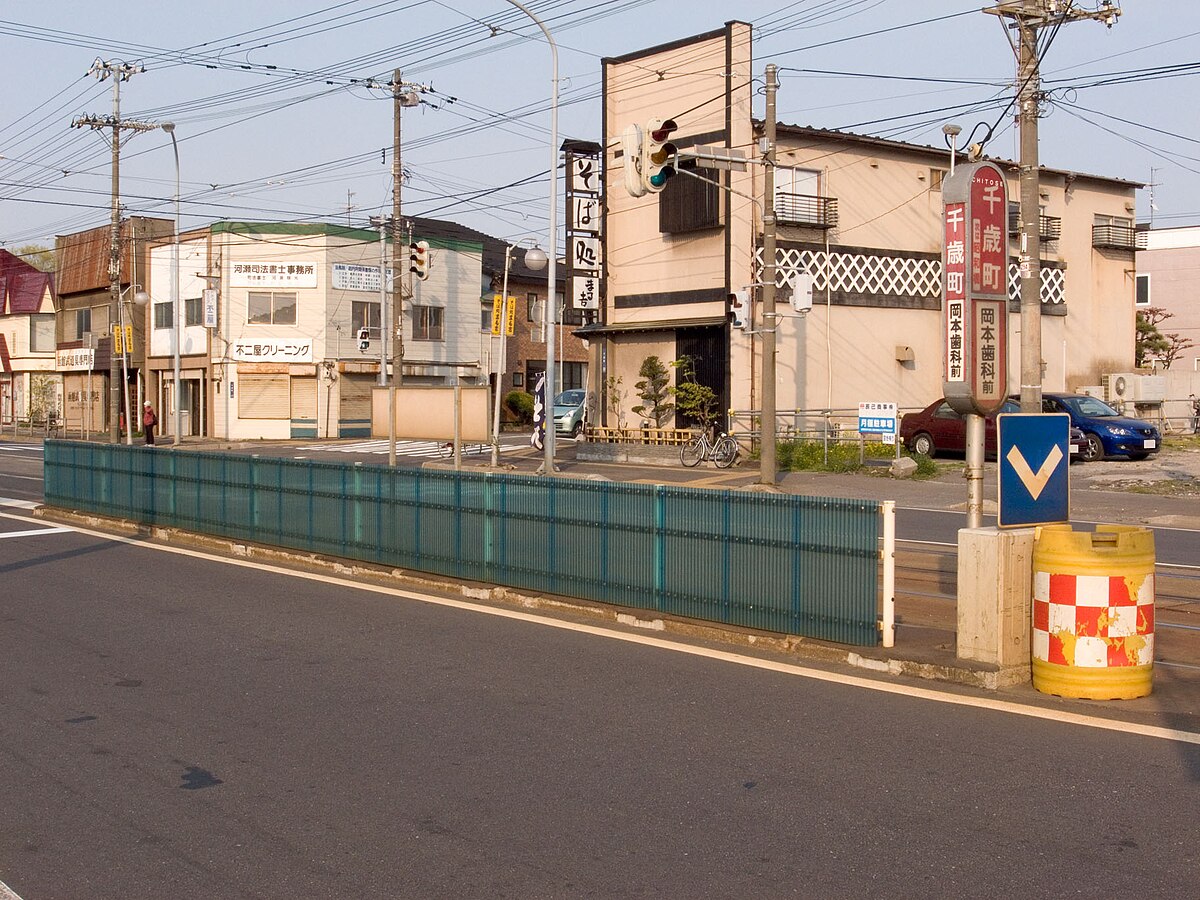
<point x="975" y="289"/>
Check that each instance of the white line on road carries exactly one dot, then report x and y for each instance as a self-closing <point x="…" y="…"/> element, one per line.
<point x="7" y="893"/>
<point x="921" y="693"/>
<point x="18" y="504"/>
<point x="13" y="534"/>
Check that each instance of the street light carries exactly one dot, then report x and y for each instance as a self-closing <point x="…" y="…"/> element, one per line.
<point x="169" y="128"/>
<point x="551" y="280"/>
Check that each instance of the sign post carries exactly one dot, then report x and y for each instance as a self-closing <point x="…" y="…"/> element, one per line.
<point x="975" y="308"/>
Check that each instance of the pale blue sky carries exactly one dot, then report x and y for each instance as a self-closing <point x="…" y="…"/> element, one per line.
<point x="274" y="121"/>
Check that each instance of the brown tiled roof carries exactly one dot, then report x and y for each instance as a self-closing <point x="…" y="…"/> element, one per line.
<point x="21" y="285"/>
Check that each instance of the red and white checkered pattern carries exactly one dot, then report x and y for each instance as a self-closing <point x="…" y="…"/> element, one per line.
<point x="1093" y="621"/>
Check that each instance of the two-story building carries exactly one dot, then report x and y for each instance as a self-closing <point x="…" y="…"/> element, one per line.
<point x="859" y="250"/>
<point x="29" y="385"/>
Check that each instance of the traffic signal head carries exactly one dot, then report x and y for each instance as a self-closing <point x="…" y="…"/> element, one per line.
<point x="658" y="154"/>
<point x="739" y="309"/>
<point x="631" y="160"/>
<point x="419" y="259"/>
<point x="364" y="339"/>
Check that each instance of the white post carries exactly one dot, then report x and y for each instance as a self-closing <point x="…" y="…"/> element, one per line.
<point x="888" y="626"/>
<point x="176" y="303"/>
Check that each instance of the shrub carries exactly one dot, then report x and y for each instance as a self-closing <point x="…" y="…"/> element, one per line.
<point x="520" y="404"/>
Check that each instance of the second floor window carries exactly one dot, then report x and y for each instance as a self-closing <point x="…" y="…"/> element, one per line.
<point x="164" y="315"/>
<point x="83" y="324"/>
<point x="364" y="314"/>
<point x="428" y="323"/>
<point x="271" y="308"/>
<point x="193" y="311"/>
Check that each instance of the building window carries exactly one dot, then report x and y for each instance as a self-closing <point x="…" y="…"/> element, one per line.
<point x="164" y="315"/>
<point x="572" y="376"/>
<point x="518" y="379"/>
<point x="41" y="333"/>
<point x="533" y="308"/>
<point x="936" y="177"/>
<point x="365" y="314"/>
<point x="193" y="311"/>
<point x="271" y="308"/>
<point x="688" y="204"/>
<point x="428" y="323"/>
<point x="485" y="316"/>
<point x="1143" y="290"/>
<point x="83" y="323"/>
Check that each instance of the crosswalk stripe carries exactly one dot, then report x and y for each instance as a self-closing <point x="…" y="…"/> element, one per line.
<point x="411" y="448"/>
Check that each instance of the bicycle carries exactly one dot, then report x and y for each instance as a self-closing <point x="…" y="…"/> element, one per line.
<point x="723" y="450"/>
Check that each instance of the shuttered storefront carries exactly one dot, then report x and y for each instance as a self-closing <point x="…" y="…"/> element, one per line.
<point x="264" y="397"/>
<point x="354" y="417"/>
<point x="304" y="407"/>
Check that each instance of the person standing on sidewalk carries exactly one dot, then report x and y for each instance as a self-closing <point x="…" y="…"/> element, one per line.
<point x="149" y="420"/>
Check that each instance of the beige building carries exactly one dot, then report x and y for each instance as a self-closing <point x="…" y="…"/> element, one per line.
<point x="859" y="235"/>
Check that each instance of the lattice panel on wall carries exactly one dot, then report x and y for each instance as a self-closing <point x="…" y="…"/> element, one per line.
<point x="862" y="273"/>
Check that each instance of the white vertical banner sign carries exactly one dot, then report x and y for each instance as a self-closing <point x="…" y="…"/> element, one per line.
<point x="584" y="206"/>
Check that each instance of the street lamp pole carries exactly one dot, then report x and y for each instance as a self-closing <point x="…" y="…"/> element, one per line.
<point x="550" y="312"/>
<point x="176" y="313"/>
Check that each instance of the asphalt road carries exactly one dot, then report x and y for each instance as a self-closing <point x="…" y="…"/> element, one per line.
<point x="177" y="726"/>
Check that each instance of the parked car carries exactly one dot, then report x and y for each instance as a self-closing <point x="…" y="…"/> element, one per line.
<point x="939" y="429"/>
<point x="570" y="409"/>
<point x="1105" y="431"/>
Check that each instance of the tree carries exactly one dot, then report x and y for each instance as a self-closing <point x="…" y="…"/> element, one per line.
<point x="654" y="390"/>
<point x="695" y="401"/>
<point x="1151" y="343"/>
<point x="616" y="397"/>
<point x="39" y="257"/>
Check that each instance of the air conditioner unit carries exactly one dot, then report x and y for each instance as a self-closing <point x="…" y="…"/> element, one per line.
<point x="1150" y="389"/>
<point x="1119" y="386"/>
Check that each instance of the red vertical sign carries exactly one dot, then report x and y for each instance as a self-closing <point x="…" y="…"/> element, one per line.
<point x="975" y="288"/>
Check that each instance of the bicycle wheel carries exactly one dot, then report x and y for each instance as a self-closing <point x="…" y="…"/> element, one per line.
<point x="692" y="452"/>
<point x="725" y="452"/>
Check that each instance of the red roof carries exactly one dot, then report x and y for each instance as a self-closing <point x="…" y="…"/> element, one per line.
<point x="21" y="285"/>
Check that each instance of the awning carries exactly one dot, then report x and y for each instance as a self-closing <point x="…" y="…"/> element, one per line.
<point x="598" y="330"/>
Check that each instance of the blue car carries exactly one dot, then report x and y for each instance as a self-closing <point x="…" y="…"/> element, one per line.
<point x="1105" y="431"/>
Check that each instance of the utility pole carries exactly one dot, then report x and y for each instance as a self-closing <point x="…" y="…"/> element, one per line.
<point x="118" y="72"/>
<point x="402" y="95"/>
<point x="1027" y="18"/>
<point x="770" y="320"/>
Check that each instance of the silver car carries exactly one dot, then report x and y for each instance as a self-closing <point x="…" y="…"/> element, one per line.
<point x="570" y="410"/>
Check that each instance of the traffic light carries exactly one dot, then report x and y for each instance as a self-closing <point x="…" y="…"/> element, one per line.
<point x="739" y="309"/>
<point x="631" y="160"/>
<point x="364" y="340"/>
<point x="658" y="154"/>
<point x="419" y="259"/>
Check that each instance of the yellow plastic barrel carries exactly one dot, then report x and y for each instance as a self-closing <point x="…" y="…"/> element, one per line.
<point x="1093" y="612"/>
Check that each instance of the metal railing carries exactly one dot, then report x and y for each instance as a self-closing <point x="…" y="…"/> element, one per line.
<point x="1118" y="237"/>
<point x="795" y="565"/>
<point x="806" y="209"/>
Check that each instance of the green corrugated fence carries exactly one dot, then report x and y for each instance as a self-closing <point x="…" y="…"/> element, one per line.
<point x="796" y="565"/>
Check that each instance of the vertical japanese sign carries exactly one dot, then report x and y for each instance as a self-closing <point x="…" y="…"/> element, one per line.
<point x="584" y="205"/>
<point x="974" y="289"/>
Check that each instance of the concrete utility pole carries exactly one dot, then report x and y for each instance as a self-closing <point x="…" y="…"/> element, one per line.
<point x="1028" y="16"/>
<point x="119" y="72"/>
<point x="770" y="321"/>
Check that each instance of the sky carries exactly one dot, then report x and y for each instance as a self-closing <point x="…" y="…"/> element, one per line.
<point x="278" y="116"/>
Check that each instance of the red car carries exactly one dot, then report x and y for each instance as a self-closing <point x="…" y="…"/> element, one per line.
<point x="937" y="429"/>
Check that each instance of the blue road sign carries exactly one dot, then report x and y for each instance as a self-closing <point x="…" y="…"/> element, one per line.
<point x="1033" y="454"/>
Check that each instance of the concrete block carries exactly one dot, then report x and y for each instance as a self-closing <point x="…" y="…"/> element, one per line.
<point x="995" y="596"/>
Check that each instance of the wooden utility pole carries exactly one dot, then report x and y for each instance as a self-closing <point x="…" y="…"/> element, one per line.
<point x="1027" y="18"/>
<point x="118" y="72"/>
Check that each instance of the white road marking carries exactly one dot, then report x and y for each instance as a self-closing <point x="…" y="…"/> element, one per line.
<point x="18" y="504"/>
<point x="431" y="449"/>
<point x="7" y="893"/>
<point x="796" y="670"/>
<point x="15" y="534"/>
